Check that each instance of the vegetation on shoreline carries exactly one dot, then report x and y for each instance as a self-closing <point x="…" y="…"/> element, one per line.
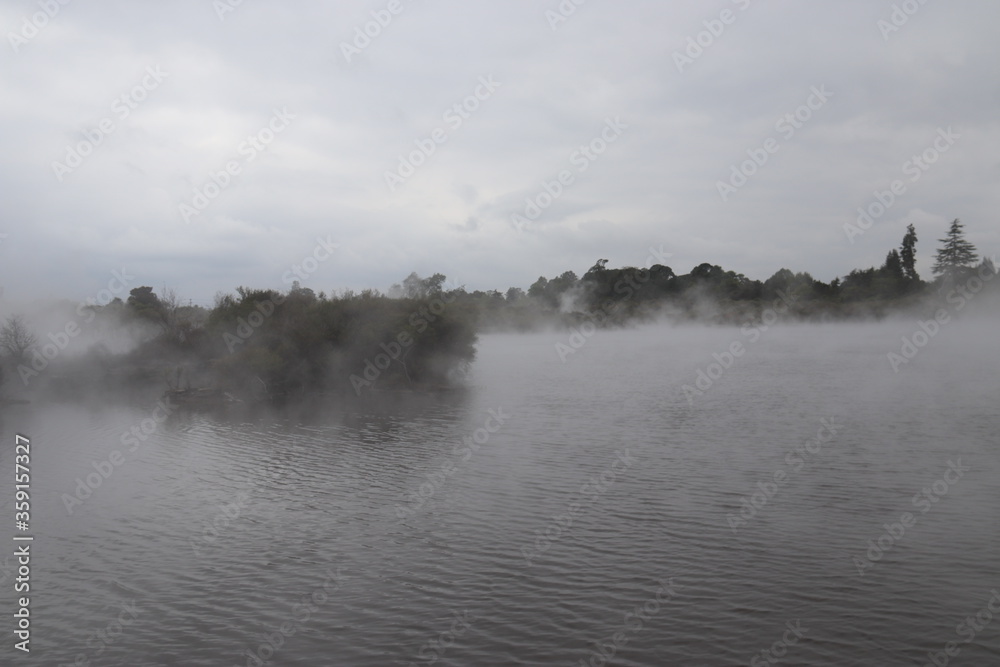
<point x="262" y="345"/>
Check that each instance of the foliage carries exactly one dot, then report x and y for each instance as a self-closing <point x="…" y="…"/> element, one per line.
<point x="263" y="344"/>
<point x="908" y="255"/>
<point x="16" y="339"/>
<point x="956" y="254"/>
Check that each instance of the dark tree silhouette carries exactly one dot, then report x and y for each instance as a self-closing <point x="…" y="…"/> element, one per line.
<point x="599" y="266"/>
<point x="514" y="293"/>
<point x="908" y="254"/>
<point x="16" y="338"/>
<point x="956" y="254"/>
<point x="893" y="267"/>
<point x="145" y="304"/>
<point x="537" y="289"/>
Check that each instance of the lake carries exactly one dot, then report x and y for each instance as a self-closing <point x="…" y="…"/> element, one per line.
<point x="654" y="496"/>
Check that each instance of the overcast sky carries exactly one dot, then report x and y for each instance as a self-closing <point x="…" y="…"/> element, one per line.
<point x="310" y="117"/>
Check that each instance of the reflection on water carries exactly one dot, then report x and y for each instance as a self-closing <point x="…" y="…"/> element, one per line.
<point x="604" y="512"/>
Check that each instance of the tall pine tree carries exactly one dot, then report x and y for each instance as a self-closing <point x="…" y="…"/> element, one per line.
<point x="956" y="253"/>
<point x="908" y="254"/>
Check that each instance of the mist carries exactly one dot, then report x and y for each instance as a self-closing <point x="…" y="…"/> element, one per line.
<point x="522" y="333"/>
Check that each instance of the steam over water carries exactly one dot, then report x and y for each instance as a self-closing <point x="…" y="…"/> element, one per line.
<point x="369" y="539"/>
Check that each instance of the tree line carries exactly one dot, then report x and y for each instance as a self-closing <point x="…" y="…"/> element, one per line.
<point x="272" y="345"/>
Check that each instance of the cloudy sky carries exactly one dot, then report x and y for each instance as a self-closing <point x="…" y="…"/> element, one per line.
<point x="202" y="146"/>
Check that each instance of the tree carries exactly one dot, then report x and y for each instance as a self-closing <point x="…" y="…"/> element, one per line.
<point x="415" y="287"/>
<point x="893" y="266"/>
<point x="782" y="280"/>
<point x="146" y="304"/>
<point x="562" y="283"/>
<point x="798" y="285"/>
<point x="169" y="305"/>
<point x="597" y="269"/>
<point x="16" y="338"/>
<point x="434" y="284"/>
<point x="956" y="254"/>
<point x="538" y="288"/>
<point x="890" y="280"/>
<point x="706" y="271"/>
<point x="301" y="293"/>
<point x="908" y="254"/>
<point x="859" y="285"/>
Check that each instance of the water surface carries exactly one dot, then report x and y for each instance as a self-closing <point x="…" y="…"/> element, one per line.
<point x="223" y="532"/>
